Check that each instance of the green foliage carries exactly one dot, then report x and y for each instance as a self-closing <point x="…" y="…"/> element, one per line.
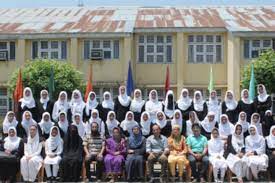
<point x="36" y="75"/>
<point x="264" y="71"/>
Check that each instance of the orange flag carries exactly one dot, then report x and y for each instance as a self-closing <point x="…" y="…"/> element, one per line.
<point x="18" y="92"/>
<point x="167" y="81"/>
<point x="89" y="86"/>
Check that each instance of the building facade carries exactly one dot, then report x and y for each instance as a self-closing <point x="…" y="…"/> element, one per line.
<point x="188" y="39"/>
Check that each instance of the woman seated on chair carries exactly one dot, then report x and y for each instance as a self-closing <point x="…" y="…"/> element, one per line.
<point x="115" y="154"/>
<point x="178" y="150"/>
<point x="11" y="150"/>
<point x="32" y="159"/>
<point x="136" y="146"/>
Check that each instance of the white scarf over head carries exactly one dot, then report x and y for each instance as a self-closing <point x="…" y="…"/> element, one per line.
<point x="207" y="125"/>
<point x="91" y="104"/>
<point x="27" y="123"/>
<point x="145" y="125"/>
<point x="162" y="123"/>
<point x="225" y="129"/>
<point x="198" y="104"/>
<point x="184" y="102"/>
<point x="123" y="99"/>
<point x="12" y="143"/>
<point x="177" y="121"/>
<point x="127" y="125"/>
<point x="77" y="105"/>
<point x="231" y="104"/>
<point x="137" y="103"/>
<point x="111" y="124"/>
<point x="46" y="125"/>
<point x="271" y="138"/>
<point x="262" y="97"/>
<point x="7" y="124"/>
<point x="27" y="101"/>
<point x="107" y="104"/>
<point x="63" y="125"/>
<point x="245" y="100"/>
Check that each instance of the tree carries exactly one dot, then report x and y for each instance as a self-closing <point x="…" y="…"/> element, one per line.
<point x="264" y="71"/>
<point x="36" y="75"/>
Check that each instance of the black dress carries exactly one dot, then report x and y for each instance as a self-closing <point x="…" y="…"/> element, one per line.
<point x="201" y="114"/>
<point x="185" y="113"/>
<point x="261" y="107"/>
<point x="249" y="109"/>
<point x="267" y="123"/>
<point x="86" y="116"/>
<point x="41" y="110"/>
<point x="137" y="115"/>
<point x="103" y="112"/>
<point x="10" y="165"/>
<point x="233" y="115"/>
<point x="271" y="161"/>
<point x="21" y="110"/>
<point x="120" y="110"/>
<point x="167" y="129"/>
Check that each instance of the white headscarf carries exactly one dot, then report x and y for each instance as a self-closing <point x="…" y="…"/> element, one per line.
<point x="213" y="104"/>
<point x="145" y="125"/>
<point x="153" y="105"/>
<point x="42" y="100"/>
<point x="162" y="123"/>
<point x="56" y="141"/>
<point x="128" y="125"/>
<point x="262" y="97"/>
<point x="77" y="105"/>
<point x="244" y="123"/>
<point x="198" y="104"/>
<point x="207" y="125"/>
<point x="231" y="104"/>
<point x="27" y="123"/>
<point x="60" y="105"/>
<point x="177" y="121"/>
<point x="237" y="141"/>
<point x="254" y="138"/>
<point x="271" y="138"/>
<point x="97" y="119"/>
<point x="81" y="126"/>
<point x="63" y="125"/>
<point x="107" y="103"/>
<point x="189" y="123"/>
<point x="123" y="99"/>
<point x="32" y="143"/>
<point x="46" y="125"/>
<point x="137" y="103"/>
<point x="227" y="128"/>
<point x="169" y="112"/>
<point x="29" y="101"/>
<point x="215" y="145"/>
<point x="7" y="124"/>
<point x="245" y="100"/>
<point x="111" y="124"/>
<point x="184" y="102"/>
<point x="91" y="104"/>
<point x="258" y="124"/>
<point x="12" y="143"/>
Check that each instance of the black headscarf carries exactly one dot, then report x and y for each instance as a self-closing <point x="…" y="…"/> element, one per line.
<point x="72" y="141"/>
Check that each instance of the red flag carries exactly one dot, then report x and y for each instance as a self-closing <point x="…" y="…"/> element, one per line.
<point x="167" y="81"/>
<point x="89" y="86"/>
<point x="18" y="92"/>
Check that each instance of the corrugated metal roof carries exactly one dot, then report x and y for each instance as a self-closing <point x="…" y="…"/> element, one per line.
<point x="126" y="19"/>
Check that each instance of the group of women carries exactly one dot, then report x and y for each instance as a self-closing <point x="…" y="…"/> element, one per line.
<point x="68" y="134"/>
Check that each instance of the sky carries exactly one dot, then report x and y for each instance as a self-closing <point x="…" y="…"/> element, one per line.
<point x="89" y="3"/>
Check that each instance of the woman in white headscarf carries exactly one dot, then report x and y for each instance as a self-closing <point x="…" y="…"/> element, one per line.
<point x="255" y="156"/>
<point x="193" y="118"/>
<point x="216" y="152"/>
<point x="27" y="103"/>
<point x="146" y="124"/>
<point x="153" y="105"/>
<point x="137" y="105"/>
<point x="184" y="104"/>
<point x="208" y="124"/>
<point x="81" y="126"/>
<point x="235" y="152"/>
<point x="106" y="106"/>
<point x="32" y="160"/>
<point x="270" y="151"/>
<point x="44" y="104"/>
<point x="169" y="105"/>
<point x="91" y="104"/>
<point x="122" y="104"/>
<point x="213" y="105"/>
<point x="128" y="124"/>
<point x="95" y="118"/>
<point x="230" y="107"/>
<point x="245" y="104"/>
<point x="10" y="153"/>
<point x="61" y="104"/>
<point x="245" y="124"/>
<point x="256" y="120"/>
<point x="262" y="101"/>
<point x="177" y="120"/>
<point x="63" y="124"/>
<point x="226" y="128"/>
<point x="165" y="125"/>
<point x="199" y="105"/>
<point x="24" y="126"/>
<point x="77" y="104"/>
<point x="53" y="150"/>
<point x="8" y="122"/>
<point x="46" y="125"/>
<point x="111" y="123"/>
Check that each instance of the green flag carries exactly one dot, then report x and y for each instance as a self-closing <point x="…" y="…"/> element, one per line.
<point x="211" y="81"/>
<point x="252" y="84"/>
<point x="51" y="84"/>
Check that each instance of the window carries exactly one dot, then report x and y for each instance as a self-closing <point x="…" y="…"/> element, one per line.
<point x="154" y="49"/>
<point x="110" y="48"/>
<point x="4" y="101"/>
<point x="9" y="48"/>
<point x="49" y="49"/>
<point x="254" y="47"/>
<point x="205" y="49"/>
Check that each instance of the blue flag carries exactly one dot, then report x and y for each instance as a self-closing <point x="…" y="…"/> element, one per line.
<point x="130" y="81"/>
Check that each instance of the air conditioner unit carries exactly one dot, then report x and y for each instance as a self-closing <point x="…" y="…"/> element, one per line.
<point x="3" y="55"/>
<point x="96" y="54"/>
